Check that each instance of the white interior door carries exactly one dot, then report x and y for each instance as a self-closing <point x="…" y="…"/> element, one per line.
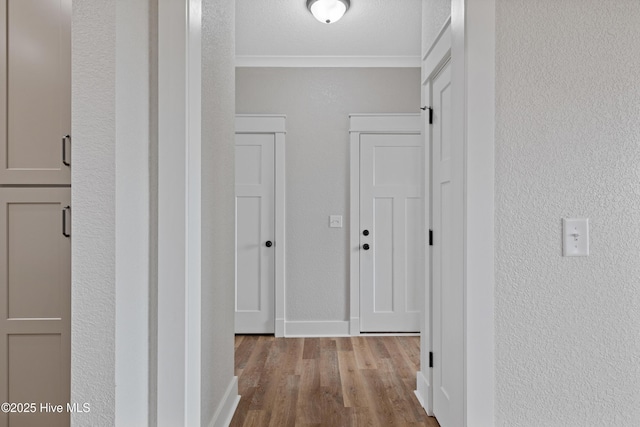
<point x="447" y="375"/>
<point x="391" y="232"/>
<point x="255" y="232"/>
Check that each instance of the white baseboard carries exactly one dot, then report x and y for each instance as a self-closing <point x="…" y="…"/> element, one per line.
<point x="226" y="409"/>
<point x="279" y="328"/>
<point x="422" y="392"/>
<point x="354" y="326"/>
<point x="316" y="329"/>
<point x="419" y="397"/>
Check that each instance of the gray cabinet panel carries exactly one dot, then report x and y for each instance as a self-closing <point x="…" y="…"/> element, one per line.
<point x="35" y="313"/>
<point x="35" y="91"/>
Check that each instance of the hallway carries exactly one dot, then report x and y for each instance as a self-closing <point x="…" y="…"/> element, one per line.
<point x="346" y="381"/>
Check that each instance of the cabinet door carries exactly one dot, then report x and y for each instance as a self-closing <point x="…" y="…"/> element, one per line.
<point x="35" y="303"/>
<point x="35" y="91"/>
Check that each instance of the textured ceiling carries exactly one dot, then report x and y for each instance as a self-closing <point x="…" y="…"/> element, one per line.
<point x="369" y="28"/>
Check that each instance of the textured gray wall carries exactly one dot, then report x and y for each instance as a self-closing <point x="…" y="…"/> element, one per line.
<point x="93" y="194"/>
<point x="567" y="145"/>
<point x="94" y="178"/>
<point x="317" y="102"/>
<point x="434" y="15"/>
<point x="218" y="202"/>
<point x="110" y="118"/>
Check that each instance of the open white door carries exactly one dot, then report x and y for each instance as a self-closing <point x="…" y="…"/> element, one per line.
<point x="447" y="375"/>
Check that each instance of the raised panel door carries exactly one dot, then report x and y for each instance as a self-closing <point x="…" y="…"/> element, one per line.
<point x="392" y="247"/>
<point x="255" y="232"/>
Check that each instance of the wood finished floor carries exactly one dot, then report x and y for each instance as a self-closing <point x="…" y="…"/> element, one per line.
<point x="350" y="381"/>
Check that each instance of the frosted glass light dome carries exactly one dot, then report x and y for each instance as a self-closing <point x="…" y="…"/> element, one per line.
<point x="328" y="11"/>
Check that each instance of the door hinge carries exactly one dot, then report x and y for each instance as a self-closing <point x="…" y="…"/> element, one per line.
<point x="430" y="237"/>
<point x="431" y="359"/>
<point x="425" y="108"/>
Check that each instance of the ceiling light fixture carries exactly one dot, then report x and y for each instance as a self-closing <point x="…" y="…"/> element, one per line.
<point x="328" y="11"/>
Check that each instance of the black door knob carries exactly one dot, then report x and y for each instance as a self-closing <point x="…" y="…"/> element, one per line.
<point x="365" y="233"/>
<point x="365" y="246"/>
<point x="268" y="244"/>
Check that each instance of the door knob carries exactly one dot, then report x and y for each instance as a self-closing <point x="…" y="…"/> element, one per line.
<point x="268" y="244"/>
<point x="365" y="246"/>
<point x="365" y="233"/>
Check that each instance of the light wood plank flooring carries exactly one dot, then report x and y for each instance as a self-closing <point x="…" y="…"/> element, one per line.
<point x="351" y="381"/>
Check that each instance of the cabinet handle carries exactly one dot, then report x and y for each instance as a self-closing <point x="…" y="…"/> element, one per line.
<point x="64" y="221"/>
<point x="64" y="149"/>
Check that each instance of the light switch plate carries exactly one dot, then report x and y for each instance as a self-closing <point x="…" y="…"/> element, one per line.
<point x="575" y="236"/>
<point x="335" y="221"/>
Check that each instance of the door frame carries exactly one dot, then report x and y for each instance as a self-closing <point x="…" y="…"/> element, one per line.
<point x="434" y="60"/>
<point x="273" y="124"/>
<point x="473" y="35"/>
<point x="359" y="124"/>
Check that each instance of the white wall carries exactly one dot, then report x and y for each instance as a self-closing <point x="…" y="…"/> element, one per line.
<point x="93" y="188"/>
<point x="567" y="145"/>
<point x="218" y="207"/>
<point x="115" y="202"/>
<point x="317" y="102"/>
<point x="110" y="294"/>
<point x="434" y="16"/>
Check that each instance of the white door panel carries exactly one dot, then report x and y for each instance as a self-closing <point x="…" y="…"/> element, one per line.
<point x="391" y="209"/>
<point x="255" y="223"/>
<point x="447" y="376"/>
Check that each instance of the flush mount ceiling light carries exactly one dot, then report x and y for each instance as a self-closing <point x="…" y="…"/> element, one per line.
<point x="328" y="11"/>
